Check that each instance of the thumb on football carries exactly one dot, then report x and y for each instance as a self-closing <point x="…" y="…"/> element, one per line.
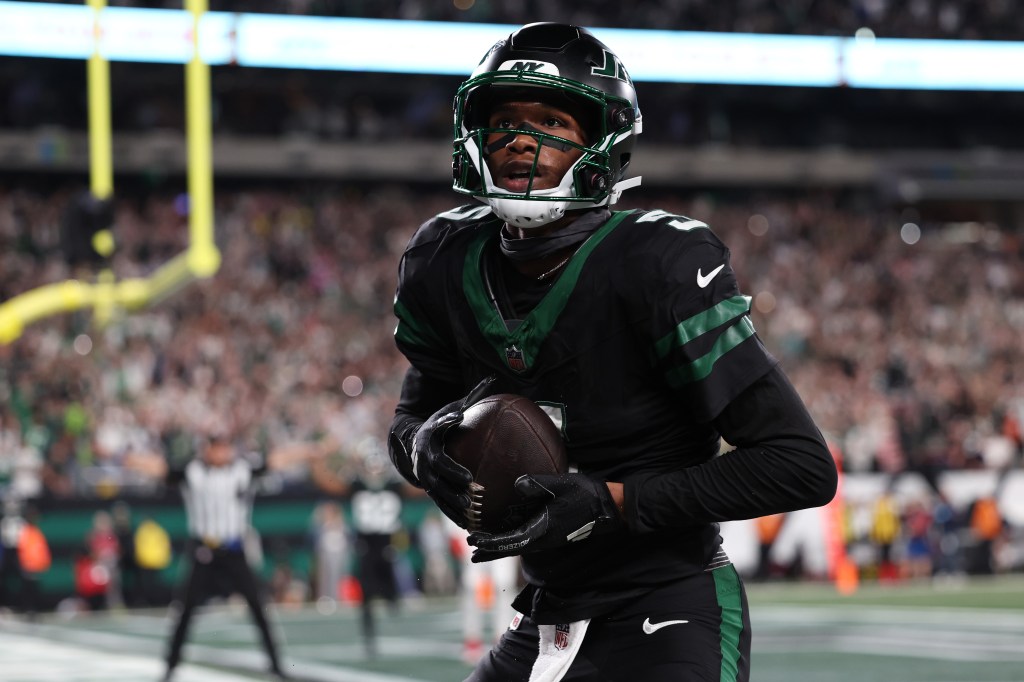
<point x="530" y="488"/>
<point x="478" y="392"/>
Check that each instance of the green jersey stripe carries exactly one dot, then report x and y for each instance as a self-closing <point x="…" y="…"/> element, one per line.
<point x="411" y="332"/>
<point x="701" y="323"/>
<point x="530" y="334"/>
<point x="728" y="593"/>
<point x="702" y="366"/>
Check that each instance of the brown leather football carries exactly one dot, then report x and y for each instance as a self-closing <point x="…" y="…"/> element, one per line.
<point x="501" y="438"/>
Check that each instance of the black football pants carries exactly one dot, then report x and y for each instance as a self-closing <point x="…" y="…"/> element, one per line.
<point x="219" y="572"/>
<point x="647" y="640"/>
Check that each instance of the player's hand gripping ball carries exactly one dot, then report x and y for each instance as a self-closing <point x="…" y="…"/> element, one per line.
<point x="501" y="438"/>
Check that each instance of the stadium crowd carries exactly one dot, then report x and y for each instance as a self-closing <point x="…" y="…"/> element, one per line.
<point x="902" y="335"/>
<point x="906" y="350"/>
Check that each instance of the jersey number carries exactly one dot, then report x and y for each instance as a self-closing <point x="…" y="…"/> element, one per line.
<point x="376" y="512"/>
<point x="684" y="225"/>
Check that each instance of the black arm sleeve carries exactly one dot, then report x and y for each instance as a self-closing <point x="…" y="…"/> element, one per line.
<point x="781" y="463"/>
<point x="174" y="477"/>
<point x="421" y="397"/>
<point x="257" y="463"/>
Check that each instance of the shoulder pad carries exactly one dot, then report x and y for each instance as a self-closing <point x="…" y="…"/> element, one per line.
<point x="444" y="223"/>
<point x="677" y="222"/>
<point x="658" y="247"/>
<point x="669" y="233"/>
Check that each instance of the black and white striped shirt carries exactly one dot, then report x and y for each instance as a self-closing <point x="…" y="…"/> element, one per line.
<point x="218" y="500"/>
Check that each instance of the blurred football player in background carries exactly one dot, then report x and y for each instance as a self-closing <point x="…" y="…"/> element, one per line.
<point x="631" y="325"/>
<point x="377" y="498"/>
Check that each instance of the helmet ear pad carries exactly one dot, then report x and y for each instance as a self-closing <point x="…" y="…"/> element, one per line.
<point x="620" y="117"/>
<point x="594" y="182"/>
<point x="464" y="172"/>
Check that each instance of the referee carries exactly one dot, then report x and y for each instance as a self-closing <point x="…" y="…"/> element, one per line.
<point x="218" y="491"/>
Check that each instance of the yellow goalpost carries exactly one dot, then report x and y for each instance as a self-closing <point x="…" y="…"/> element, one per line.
<point x="108" y="296"/>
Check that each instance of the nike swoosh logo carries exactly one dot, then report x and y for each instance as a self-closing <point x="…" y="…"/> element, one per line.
<point x="704" y="280"/>
<point x="650" y="628"/>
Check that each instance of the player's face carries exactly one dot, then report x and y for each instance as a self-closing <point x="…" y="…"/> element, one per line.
<point x="512" y="154"/>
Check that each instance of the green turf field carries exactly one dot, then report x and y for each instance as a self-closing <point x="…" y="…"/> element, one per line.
<point x="971" y="632"/>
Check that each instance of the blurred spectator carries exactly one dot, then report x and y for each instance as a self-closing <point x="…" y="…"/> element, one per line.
<point x="919" y="551"/>
<point x="92" y="581"/>
<point x="885" y="529"/>
<point x="20" y="463"/>
<point x="24" y="557"/>
<point x="768" y="528"/>
<point x="34" y="557"/>
<point x="127" y="573"/>
<point x="987" y="528"/>
<point x="436" y="547"/>
<point x="105" y="552"/>
<point x="152" y="555"/>
<point x="330" y="551"/>
<point x="486" y="591"/>
<point x="948" y="551"/>
<point x="287" y="588"/>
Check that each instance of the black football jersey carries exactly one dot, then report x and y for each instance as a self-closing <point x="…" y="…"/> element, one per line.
<point x="376" y="509"/>
<point x="641" y="340"/>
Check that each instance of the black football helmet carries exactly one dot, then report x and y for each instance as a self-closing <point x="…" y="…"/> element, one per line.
<point x="572" y="67"/>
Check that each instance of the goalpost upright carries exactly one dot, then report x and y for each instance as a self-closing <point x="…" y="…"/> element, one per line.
<point x="108" y="296"/>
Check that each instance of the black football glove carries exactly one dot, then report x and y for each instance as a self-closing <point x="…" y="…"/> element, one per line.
<point x="572" y="507"/>
<point x="446" y="481"/>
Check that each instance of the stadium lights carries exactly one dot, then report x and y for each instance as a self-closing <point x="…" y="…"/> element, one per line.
<point x="374" y="45"/>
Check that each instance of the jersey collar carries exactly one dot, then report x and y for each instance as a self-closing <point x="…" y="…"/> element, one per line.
<point x="519" y="348"/>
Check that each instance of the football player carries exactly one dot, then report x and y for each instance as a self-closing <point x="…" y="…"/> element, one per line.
<point x="629" y="328"/>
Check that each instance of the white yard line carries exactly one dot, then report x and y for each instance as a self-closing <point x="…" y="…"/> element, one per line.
<point x="104" y="646"/>
<point x="959" y="619"/>
<point x="951" y="634"/>
<point x="34" y="659"/>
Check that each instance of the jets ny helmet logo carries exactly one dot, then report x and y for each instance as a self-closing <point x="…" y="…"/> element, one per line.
<point x="529" y="66"/>
<point x="611" y="68"/>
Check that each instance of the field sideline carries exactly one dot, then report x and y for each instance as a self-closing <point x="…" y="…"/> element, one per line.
<point x="942" y="632"/>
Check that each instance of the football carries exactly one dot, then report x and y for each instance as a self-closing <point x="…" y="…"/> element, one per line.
<point x="501" y="438"/>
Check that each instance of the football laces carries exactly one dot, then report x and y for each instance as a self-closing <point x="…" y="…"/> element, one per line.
<point x="476" y="503"/>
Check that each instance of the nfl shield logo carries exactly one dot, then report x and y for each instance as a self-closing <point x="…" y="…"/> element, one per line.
<point x="561" y="636"/>
<point x="514" y="357"/>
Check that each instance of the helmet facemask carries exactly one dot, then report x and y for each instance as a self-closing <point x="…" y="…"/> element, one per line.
<point x="592" y="180"/>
